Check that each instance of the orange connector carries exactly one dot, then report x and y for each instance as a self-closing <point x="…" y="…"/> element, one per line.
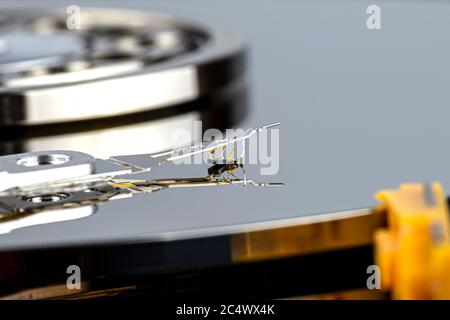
<point x="413" y="252"/>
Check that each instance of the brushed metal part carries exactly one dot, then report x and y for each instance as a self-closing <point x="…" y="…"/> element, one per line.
<point x="53" y="166"/>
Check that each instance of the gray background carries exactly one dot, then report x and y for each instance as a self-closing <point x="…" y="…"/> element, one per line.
<point x="360" y="110"/>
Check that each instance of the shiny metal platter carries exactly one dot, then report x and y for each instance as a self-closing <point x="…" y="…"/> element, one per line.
<point x="361" y="110"/>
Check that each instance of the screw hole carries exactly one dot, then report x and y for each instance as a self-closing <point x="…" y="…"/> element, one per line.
<point x="43" y="159"/>
<point x="46" y="198"/>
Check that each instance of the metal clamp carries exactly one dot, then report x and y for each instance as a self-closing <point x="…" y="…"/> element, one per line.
<point x="119" y="62"/>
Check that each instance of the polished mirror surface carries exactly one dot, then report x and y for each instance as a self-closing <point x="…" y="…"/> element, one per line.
<point x="360" y="110"/>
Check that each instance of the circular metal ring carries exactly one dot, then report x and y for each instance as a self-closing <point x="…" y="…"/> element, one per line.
<point x="119" y="62"/>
